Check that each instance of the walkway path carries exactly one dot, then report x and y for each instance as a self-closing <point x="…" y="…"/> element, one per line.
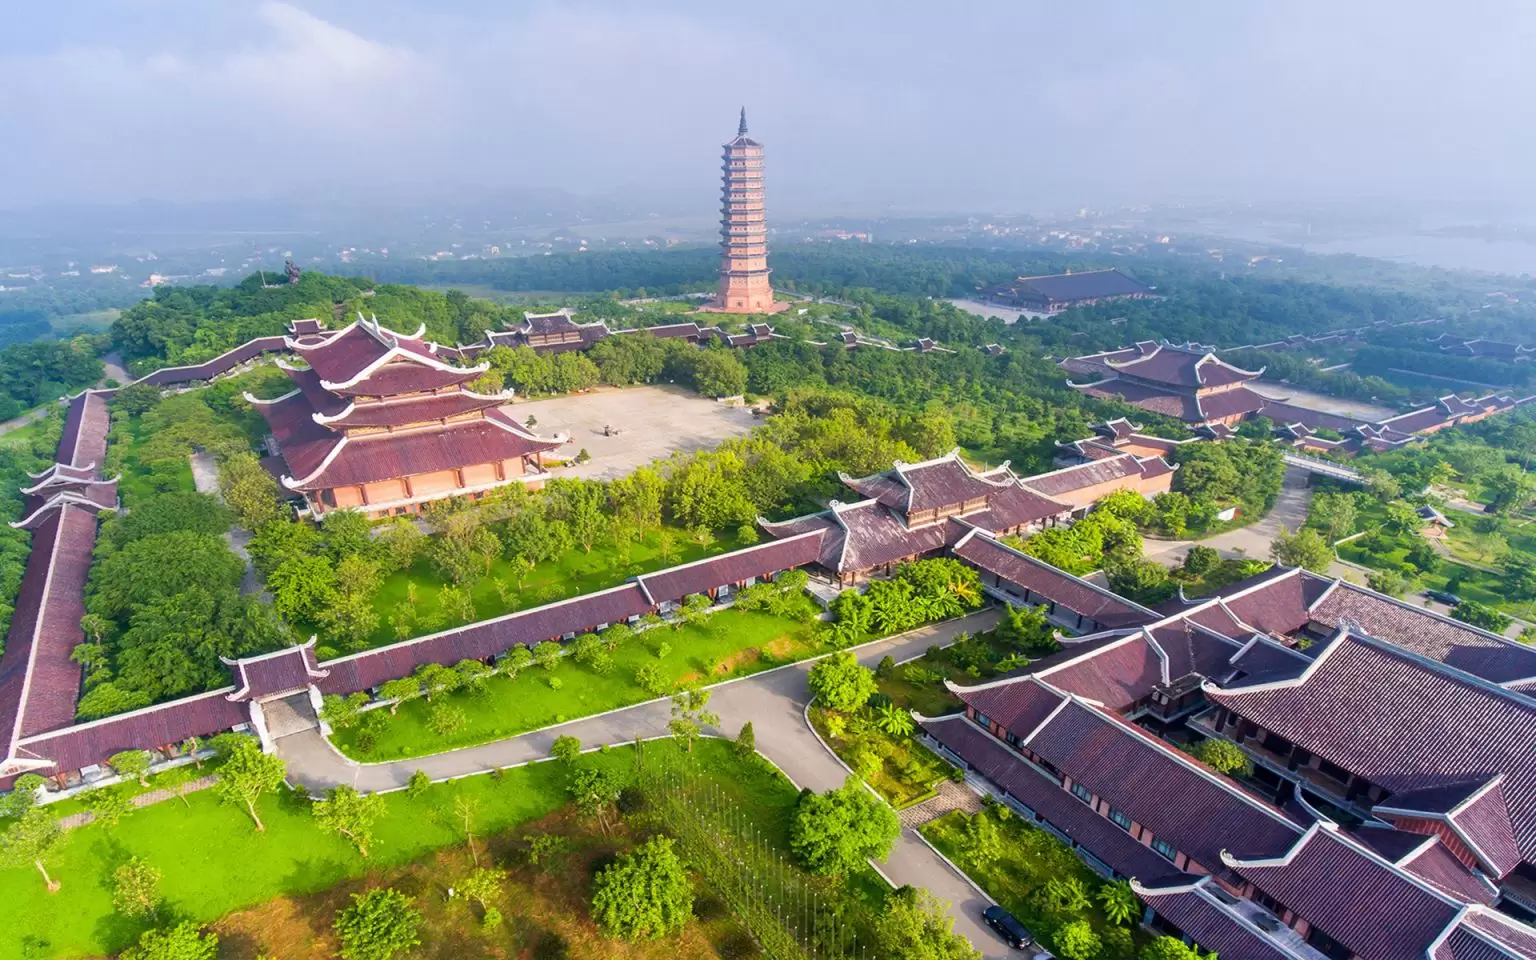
<point x="1290" y="511"/>
<point x="143" y="800"/>
<point x="952" y="796"/>
<point x="205" y="477"/>
<point x="774" y="701"/>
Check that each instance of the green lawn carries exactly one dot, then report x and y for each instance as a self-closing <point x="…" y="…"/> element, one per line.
<point x="907" y="772"/>
<point x="214" y="862"/>
<point x="1485" y="588"/>
<point x="1030" y="858"/>
<point x="576" y="572"/>
<point x="730" y="644"/>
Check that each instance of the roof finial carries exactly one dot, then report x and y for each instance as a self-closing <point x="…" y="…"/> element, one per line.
<point x="741" y="130"/>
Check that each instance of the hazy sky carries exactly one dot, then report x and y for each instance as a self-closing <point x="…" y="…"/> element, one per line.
<point x="990" y="105"/>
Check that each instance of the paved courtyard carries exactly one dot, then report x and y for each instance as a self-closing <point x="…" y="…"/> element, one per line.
<point x="652" y="423"/>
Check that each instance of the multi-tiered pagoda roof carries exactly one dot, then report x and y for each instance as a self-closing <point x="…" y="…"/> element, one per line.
<point x="371" y="405"/>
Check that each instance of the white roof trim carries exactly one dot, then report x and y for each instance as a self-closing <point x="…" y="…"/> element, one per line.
<point x="258" y="402"/>
<point x="400" y="353"/>
<point x="295" y="483"/>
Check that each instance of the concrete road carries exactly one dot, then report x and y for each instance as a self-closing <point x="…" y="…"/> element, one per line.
<point x="1290" y="512"/>
<point x="775" y="702"/>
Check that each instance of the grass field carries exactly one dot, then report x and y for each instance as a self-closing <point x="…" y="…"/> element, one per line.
<point x="1030" y="858"/>
<point x="92" y="320"/>
<point x="730" y="644"/>
<point x="214" y="862"/>
<point x="575" y="573"/>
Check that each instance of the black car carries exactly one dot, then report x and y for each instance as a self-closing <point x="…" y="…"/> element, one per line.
<point x="1014" y="933"/>
<point x="1449" y="599"/>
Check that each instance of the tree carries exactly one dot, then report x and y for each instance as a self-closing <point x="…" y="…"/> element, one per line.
<point x="840" y="683"/>
<point x="1389" y="582"/>
<point x="250" y="491"/>
<point x="548" y="654"/>
<point x="835" y="831"/>
<point x="1121" y="907"/>
<point x="1142" y="580"/>
<point x="983" y="840"/>
<point x="566" y="748"/>
<point x="29" y="841"/>
<point x="136" y="888"/>
<point x="745" y="744"/>
<point x="418" y="785"/>
<point x="1400" y="520"/>
<point x="1481" y="615"/>
<point x="916" y="925"/>
<point x="1076" y="941"/>
<point x="483" y="885"/>
<point x="303" y="588"/>
<point x="1223" y="756"/>
<point x="1520" y="576"/>
<point x="379" y="924"/>
<point x="594" y="790"/>
<point x="109" y="805"/>
<point x="400" y="690"/>
<point x="1510" y="488"/>
<point x="445" y="719"/>
<point x="348" y="813"/>
<point x="690" y="714"/>
<point x="342" y="712"/>
<point x="1201" y="560"/>
<point x="893" y="720"/>
<point x="644" y="894"/>
<point x="1304" y="548"/>
<point x="185" y="941"/>
<point x="718" y="373"/>
<point x="1334" y="514"/>
<point x="247" y="775"/>
<point x="1169" y="948"/>
<point x="23" y="795"/>
<point x="650" y="678"/>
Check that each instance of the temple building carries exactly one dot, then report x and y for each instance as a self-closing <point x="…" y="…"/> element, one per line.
<point x="1177" y="381"/>
<point x="921" y="509"/>
<point x="744" y="286"/>
<point x="1052" y="294"/>
<point x="379" y="422"/>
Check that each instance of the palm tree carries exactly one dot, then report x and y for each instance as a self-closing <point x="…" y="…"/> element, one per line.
<point x="893" y="720"/>
<point x="1121" y="907"/>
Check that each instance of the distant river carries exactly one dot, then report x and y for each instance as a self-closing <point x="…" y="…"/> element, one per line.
<point x="1452" y="253"/>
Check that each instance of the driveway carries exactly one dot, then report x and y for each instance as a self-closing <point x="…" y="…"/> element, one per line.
<point x="1290" y="512"/>
<point x="774" y="701"/>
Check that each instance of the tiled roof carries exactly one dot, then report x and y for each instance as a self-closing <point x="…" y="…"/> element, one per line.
<point x="1183" y="368"/>
<point x="278" y="672"/>
<point x="1474" y="809"/>
<point x="1417" y="420"/>
<point x="831" y="547"/>
<point x="873" y="536"/>
<point x="223" y="363"/>
<point x="666" y="331"/>
<point x="1118" y="674"/>
<point x="164" y="724"/>
<point x="485" y="638"/>
<point x="1087" y="285"/>
<point x="1061" y="809"/>
<point x="1020" y="704"/>
<point x="1427" y="634"/>
<point x="322" y="400"/>
<point x="1197" y="811"/>
<point x="1190" y="650"/>
<point x="1376" y="911"/>
<point x="677" y="582"/>
<point x="1277" y="603"/>
<point x="1433" y="863"/>
<point x="1015" y="506"/>
<point x="304" y="443"/>
<point x="1200" y="914"/>
<point x="943" y="482"/>
<point x="397" y="413"/>
<point x="1145" y="397"/>
<point x="372" y="458"/>
<point x="86" y="423"/>
<point x="397" y="377"/>
<point x="1228" y="403"/>
<point x="1390" y="738"/>
<point x="1039" y="577"/>
<point x="1493" y="926"/>
<point x="1058" y="483"/>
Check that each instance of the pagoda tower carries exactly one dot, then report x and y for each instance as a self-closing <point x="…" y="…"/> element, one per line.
<point x="744" y="286"/>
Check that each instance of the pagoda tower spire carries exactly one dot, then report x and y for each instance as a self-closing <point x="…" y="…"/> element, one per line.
<point x="744" y="285"/>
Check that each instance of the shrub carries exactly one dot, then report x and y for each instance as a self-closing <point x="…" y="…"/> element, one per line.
<point x="652" y="680"/>
<point x="738" y="945"/>
<point x="1223" y="756"/>
<point x="418" y="784"/>
<point x="1076" y="941"/>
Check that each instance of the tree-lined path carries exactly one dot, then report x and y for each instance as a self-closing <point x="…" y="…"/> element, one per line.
<point x="775" y="703"/>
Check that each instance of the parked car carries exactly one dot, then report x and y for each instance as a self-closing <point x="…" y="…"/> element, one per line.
<point x="1449" y="599"/>
<point x="1007" y="926"/>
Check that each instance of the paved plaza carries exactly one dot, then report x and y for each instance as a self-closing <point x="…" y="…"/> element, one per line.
<point x="649" y="423"/>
